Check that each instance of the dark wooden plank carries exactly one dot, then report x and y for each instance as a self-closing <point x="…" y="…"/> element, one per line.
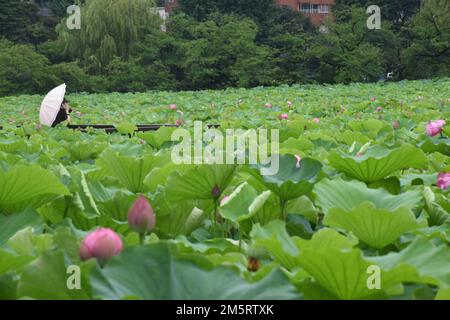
<point x="109" y="128"/>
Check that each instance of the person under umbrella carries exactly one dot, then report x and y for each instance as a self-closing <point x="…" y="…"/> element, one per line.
<point x="63" y="114"/>
<point x="55" y="108"/>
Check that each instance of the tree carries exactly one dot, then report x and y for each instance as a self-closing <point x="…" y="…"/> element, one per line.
<point x="108" y="33"/>
<point x="15" y="16"/>
<point x="396" y="12"/>
<point x="221" y="52"/>
<point x="22" y="70"/>
<point x="428" y="54"/>
<point x="344" y="53"/>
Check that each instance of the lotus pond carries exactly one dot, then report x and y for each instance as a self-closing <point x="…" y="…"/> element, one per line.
<point x="359" y="208"/>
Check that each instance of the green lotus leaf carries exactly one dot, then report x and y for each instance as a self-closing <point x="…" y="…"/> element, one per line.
<point x="378" y="162"/>
<point x="85" y="150"/>
<point x="347" y="195"/>
<point x="290" y="181"/>
<point x="338" y="267"/>
<point x="243" y="203"/>
<point x="199" y="182"/>
<point x="47" y="278"/>
<point x="376" y="227"/>
<point x="10" y="224"/>
<point x="130" y="172"/>
<point x="28" y="186"/>
<point x="152" y="272"/>
<point x="274" y="238"/>
<point x="420" y="262"/>
<point x="436" y="144"/>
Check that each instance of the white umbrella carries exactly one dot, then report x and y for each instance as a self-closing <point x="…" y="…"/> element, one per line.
<point x="51" y="105"/>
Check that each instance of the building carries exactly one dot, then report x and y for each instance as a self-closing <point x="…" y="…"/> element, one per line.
<point x="316" y="10"/>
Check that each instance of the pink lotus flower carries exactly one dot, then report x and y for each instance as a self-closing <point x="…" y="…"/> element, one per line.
<point x="268" y="105"/>
<point x="379" y="109"/>
<point x="443" y="180"/>
<point x="316" y="120"/>
<point x="395" y="125"/>
<point x="102" y="244"/>
<point x="435" y="127"/>
<point x="373" y="99"/>
<point x="173" y="107"/>
<point x="179" y="122"/>
<point x="78" y="113"/>
<point x="283" y="116"/>
<point x="289" y="103"/>
<point x="299" y="159"/>
<point x="140" y="216"/>
<point x="224" y="200"/>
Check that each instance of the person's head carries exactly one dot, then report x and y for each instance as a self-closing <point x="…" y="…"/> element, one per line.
<point x="65" y="105"/>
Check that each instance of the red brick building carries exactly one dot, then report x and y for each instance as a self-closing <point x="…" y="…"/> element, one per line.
<point x="317" y="10"/>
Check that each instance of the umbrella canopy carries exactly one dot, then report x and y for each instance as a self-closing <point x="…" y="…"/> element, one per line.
<point x="51" y="104"/>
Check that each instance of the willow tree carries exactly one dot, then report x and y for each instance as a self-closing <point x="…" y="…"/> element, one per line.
<point x="109" y="28"/>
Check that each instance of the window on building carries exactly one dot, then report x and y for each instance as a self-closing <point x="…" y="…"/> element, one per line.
<point x="314" y="8"/>
<point x="323" y="8"/>
<point x="305" y="7"/>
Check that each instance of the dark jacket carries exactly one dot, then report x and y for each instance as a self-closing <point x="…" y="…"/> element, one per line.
<point x="60" y="117"/>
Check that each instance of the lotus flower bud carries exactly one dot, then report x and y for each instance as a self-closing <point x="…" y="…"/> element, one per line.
<point x="316" y="120"/>
<point x="179" y="122"/>
<point x="283" y="116"/>
<point x="373" y="99"/>
<point x="140" y="216"/>
<point x="379" y="109"/>
<point x="215" y="192"/>
<point x="395" y="125"/>
<point x="268" y="105"/>
<point x="289" y="103"/>
<point x="102" y="244"/>
<point x="173" y="107"/>
<point x="443" y="181"/>
<point x="435" y="127"/>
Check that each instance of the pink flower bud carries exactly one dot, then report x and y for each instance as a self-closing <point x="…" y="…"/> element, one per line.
<point x="395" y="125"/>
<point x="140" y="216"/>
<point x="268" y="105"/>
<point x="173" y="107"/>
<point x="443" y="181"/>
<point x="289" y="103"/>
<point x="283" y="116"/>
<point x="379" y="109"/>
<point x="179" y="122"/>
<point x="215" y="192"/>
<point x="102" y="244"/>
<point x="373" y="99"/>
<point x="316" y="120"/>
<point x="434" y="127"/>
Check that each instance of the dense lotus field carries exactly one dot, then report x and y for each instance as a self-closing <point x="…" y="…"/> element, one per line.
<point x="359" y="208"/>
